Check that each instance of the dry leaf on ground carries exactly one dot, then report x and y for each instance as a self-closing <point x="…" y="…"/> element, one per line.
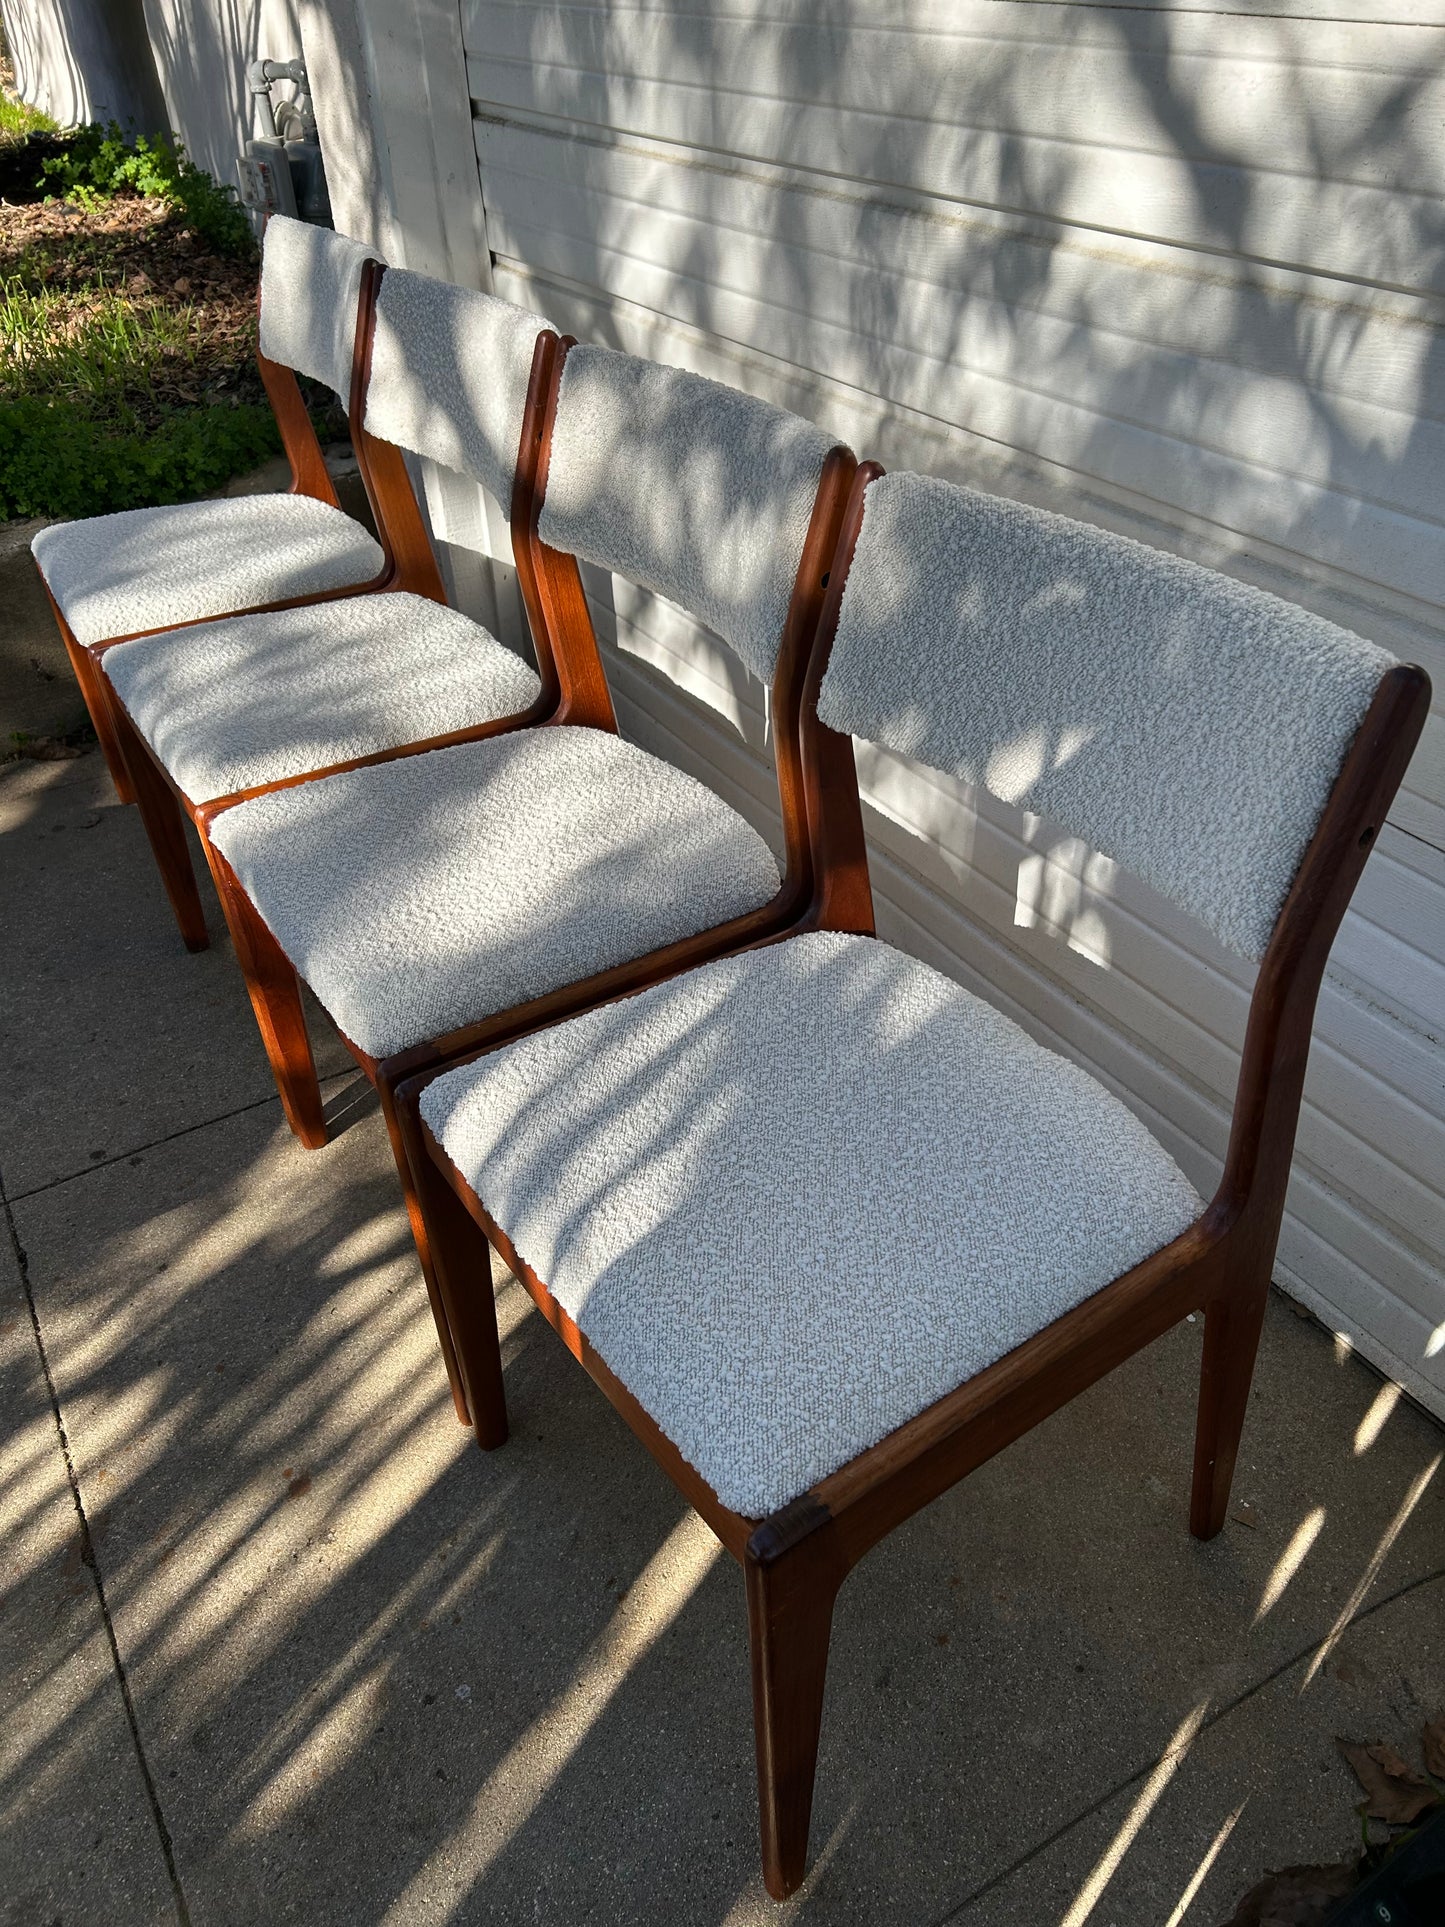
<point x="1294" y="1897"/>
<point x="1395" y="1793"/>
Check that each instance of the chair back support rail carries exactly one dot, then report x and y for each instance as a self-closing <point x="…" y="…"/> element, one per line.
<point x="795" y="1560"/>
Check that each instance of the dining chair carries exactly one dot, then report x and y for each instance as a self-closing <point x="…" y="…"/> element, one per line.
<point x="829" y="1230"/>
<point x="437" y="901"/>
<point x="246" y="704"/>
<point x="110" y="577"/>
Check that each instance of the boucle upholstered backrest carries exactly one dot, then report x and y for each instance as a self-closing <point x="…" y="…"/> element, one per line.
<point x="1183" y="723"/>
<point x="687" y="487"/>
<point x="449" y="374"/>
<point x="310" y="289"/>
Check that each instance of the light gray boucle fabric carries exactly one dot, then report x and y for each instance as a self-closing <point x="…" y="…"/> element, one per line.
<point x="115" y="575"/>
<point x="235" y="704"/>
<point x="418" y="896"/>
<point x="310" y="291"/>
<point x="449" y="373"/>
<point x="1188" y="725"/>
<point x="688" y="488"/>
<point x="796" y="1196"/>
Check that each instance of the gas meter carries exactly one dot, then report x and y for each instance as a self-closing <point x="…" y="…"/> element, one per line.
<point x="281" y="170"/>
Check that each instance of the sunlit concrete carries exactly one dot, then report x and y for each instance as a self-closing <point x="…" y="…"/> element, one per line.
<point x="111" y="1036"/>
<point x="381" y="1677"/>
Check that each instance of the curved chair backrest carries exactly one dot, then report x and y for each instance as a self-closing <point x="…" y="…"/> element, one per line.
<point x="686" y="487"/>
<point x="450" y="369"/>
<point x="310" y="294"/>
<point x="1187" y="725"/>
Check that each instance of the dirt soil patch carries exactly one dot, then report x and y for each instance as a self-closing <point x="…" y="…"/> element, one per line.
<point x="122" y="294"/>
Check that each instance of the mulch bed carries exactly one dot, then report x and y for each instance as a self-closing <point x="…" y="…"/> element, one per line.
<point x="58" y="248"/>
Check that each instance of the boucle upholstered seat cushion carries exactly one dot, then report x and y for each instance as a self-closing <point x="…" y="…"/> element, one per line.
<point x="794" y="1197"/>
<point x="238" y="703"/>
<point x="117" y="575"/>
<point x="418" y="896"/>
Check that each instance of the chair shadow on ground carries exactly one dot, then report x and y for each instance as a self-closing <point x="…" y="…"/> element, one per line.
<point x="384" y="1675"/>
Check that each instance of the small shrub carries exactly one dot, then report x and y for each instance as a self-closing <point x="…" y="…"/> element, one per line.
<point x="99" y="162"/>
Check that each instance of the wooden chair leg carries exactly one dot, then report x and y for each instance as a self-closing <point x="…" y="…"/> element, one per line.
<point x="1232" y="1324"/>
<point x="275" y="993"/>
<point x="790" y="1616"/>
<point x="414" y="1170"/>
<point x="97" y="703"/>
<point x="165" y="828"/>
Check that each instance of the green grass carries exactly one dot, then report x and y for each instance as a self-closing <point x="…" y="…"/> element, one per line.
<point x="17" y="120"/>
<point x="127" y="329"/>
<point x="106" y="348"/>
<point x="117" y="392"/>
<point x="81" y="430"/>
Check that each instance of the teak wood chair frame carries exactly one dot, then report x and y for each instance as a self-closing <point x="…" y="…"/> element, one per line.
<point x="795" y="1561"/>
<point x="393" y="507"/>
<point x="164" y="807"/>
<point x="582" y="699"/>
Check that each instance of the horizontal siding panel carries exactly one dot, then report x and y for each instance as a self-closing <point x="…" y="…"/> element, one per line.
<point x="877" y="256"/>
<point x="1021" y="377"/>
<point x="1400" y="1341"/>
<point x="1376" y="542"/>
<point x="1190" y="20"/>
<point x="1384" y="234"/>
<point x="1269" y="421"/>
<point x="1344" y="103"/>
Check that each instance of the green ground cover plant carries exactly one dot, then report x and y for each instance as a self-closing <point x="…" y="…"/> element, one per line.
<point x="100" y="162"/>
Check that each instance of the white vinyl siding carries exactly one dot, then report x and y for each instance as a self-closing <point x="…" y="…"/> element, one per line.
<point x="1178" y="272"/>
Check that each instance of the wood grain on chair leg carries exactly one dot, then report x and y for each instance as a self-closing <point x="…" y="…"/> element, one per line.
<point x="275" y="993"/>
<point x="165" y="828"/>
<point x="421" y="1231"/>
<point x="460" y="1266"/>
<point x="92" y="689"/>
<point x="1232" y="1324"/>
<point x="791" y="1590"/>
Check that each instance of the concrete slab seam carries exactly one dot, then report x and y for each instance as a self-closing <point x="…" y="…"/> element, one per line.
<point x="92" y="1566"/>
<point x="154" y="1144"/>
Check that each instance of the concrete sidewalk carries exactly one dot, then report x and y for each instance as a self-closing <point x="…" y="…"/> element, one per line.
<point x="278" y="1644"/>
